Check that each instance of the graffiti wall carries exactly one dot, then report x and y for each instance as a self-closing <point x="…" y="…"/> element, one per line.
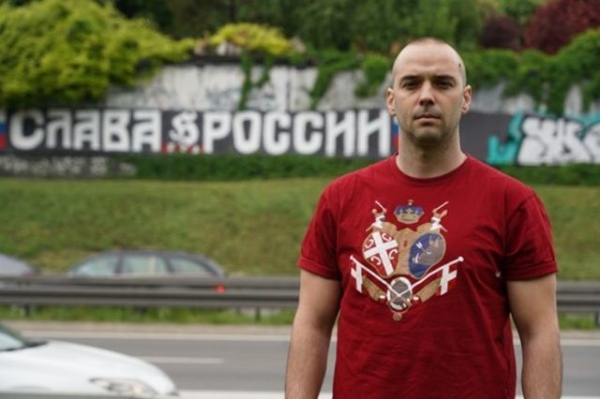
<point x="352" y="133"/>
<point x="534" y="139"/>
<point x="525" y="138"/>
<point x="193" y="109"/>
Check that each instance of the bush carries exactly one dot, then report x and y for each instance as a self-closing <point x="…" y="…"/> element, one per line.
<point x="67" y="52"/>
<point x="264" y="167"/>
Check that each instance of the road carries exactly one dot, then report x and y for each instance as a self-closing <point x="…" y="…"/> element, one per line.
<point x="249" y="362"/>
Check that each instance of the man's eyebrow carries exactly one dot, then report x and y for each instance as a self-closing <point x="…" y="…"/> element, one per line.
<point x="409" y="77"/>
<point x="445" y="77"/>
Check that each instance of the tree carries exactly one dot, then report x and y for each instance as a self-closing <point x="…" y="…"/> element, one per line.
<point x="501" y="32"/>
<point x="519" y="10"/>
<point x="554" y="24"/>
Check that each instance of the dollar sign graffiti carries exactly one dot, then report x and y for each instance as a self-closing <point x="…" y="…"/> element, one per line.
<point x="185" y="131"/>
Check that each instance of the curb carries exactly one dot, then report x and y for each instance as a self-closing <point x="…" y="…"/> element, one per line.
<point x="247" y="329"/>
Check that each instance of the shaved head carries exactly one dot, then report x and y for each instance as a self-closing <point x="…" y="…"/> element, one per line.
<point x="445" y="50"/>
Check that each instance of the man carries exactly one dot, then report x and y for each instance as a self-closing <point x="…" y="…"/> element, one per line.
<point x="422" y="258"/>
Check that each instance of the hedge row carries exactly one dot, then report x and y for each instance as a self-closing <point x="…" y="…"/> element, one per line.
<point x="235" y="167"/>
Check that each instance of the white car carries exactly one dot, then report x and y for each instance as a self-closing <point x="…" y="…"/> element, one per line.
<point x="62" y="367"/>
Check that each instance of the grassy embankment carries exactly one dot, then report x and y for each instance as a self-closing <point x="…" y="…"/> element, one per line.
<point x="251" y="227"/>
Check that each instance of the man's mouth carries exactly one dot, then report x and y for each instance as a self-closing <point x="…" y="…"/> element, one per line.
<point x="427" y="116"/>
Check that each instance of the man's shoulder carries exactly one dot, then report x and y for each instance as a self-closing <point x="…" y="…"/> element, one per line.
<point x="498" y="179"/>
<point x="377" y="168"/>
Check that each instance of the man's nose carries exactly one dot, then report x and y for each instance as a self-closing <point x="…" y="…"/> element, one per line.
<point x="426" y="95"/>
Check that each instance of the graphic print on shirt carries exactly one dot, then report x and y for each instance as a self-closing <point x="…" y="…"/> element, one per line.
<point x="402" y="268"/>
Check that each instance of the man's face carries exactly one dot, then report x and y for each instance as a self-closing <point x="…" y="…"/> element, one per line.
<point x="428" y="95"/>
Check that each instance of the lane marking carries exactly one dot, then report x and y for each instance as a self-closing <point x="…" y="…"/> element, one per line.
<point x="153" y="336"/>
<point x="182" y="360"/>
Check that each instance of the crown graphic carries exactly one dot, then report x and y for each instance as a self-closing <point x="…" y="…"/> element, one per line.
<point x="408" y="214"/>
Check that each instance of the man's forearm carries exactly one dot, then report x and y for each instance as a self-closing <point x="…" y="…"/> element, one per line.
<point x="542" y="368"/>
<point x="307" y="363"/>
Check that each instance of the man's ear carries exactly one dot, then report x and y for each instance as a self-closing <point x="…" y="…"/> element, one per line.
<point x="390" y="101"/>
<point x="467" y="96"/>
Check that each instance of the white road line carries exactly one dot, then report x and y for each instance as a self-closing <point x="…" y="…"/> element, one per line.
<point x="153" y="336"/>
<point x="182" y="360"/>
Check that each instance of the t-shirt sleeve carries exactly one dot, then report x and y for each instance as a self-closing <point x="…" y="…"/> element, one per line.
<point x="529" y="247"/>
<point x="318" y="251"/>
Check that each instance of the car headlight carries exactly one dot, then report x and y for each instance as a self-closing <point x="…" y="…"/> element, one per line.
<point x="125" y="387"/>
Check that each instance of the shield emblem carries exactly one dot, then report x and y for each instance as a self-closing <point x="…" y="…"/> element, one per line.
<point x="380" y="250"/>
<point x="427" y="250"/>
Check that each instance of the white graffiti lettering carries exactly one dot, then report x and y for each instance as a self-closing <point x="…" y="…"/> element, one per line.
<point x="216" y="126"/>
<point x="115" y="134"/>
<point x="592" y="141"/>
<point x="304" y="125"/>
<point x="554" y="141"/>
<point x="277" y="132"/>
<point x="86" y="130"/>
<point x="332" y="133"/>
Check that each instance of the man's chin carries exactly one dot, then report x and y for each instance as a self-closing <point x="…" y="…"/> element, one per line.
<point x="428" y="137"/>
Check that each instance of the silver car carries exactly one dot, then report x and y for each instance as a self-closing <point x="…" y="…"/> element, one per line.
<point x="11" y="266"/>
<point x="62" y="367"/>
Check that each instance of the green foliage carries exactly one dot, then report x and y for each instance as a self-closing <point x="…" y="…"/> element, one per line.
<point x="144" y="315"/>
<point x="437" y="22"/>
<point x="330" y="63"/>
<point x="253" y="38"/>
<point x="326" y="24"/>
<point x="236" y="168"/>
<point x="546" y="78"/>
<point x="378" y="26"/>
<point x="520" y="10"/>
<point x="375" y="68"/>
<point x="576" y="174"/>
<point x="265" y="167"/>
<point x="67" y="52"/>
<point x="490" y="67"/>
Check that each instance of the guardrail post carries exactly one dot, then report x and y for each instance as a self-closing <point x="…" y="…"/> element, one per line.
<point x="257" y="314"/>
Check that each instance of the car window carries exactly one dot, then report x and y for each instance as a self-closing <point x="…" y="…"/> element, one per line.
<point x="143" y="265"/>
<point x="10" y="340"/>
<point x="98" y="267"/>
<point x="184" y="265"/>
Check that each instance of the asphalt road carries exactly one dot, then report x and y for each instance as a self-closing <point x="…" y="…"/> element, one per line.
<point x="207" y="360"/>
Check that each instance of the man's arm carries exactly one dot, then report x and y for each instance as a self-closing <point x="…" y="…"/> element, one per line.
<point x="311" y="334"/>
<point x="533" y="307"/>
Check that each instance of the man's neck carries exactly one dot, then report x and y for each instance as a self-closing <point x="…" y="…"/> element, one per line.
<point x="425" y="164"/>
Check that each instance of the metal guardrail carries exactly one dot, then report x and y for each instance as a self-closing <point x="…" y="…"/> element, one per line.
<point x="205" y="293"/>
<point x="210" y="293"/>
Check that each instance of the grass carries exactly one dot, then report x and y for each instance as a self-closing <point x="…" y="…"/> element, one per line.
<point x="251" y="228"/>
<point x="149" y="315"/>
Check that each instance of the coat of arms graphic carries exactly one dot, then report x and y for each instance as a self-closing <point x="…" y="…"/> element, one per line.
<point x="402" y="264"/>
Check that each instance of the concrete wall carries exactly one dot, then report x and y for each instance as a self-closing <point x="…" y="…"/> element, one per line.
<point x="218" y="87"/>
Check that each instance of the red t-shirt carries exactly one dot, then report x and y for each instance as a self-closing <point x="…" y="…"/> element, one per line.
<point x="423" y="265"/>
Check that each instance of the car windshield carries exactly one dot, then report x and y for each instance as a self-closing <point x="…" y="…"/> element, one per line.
<point x="11" y="340"/>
